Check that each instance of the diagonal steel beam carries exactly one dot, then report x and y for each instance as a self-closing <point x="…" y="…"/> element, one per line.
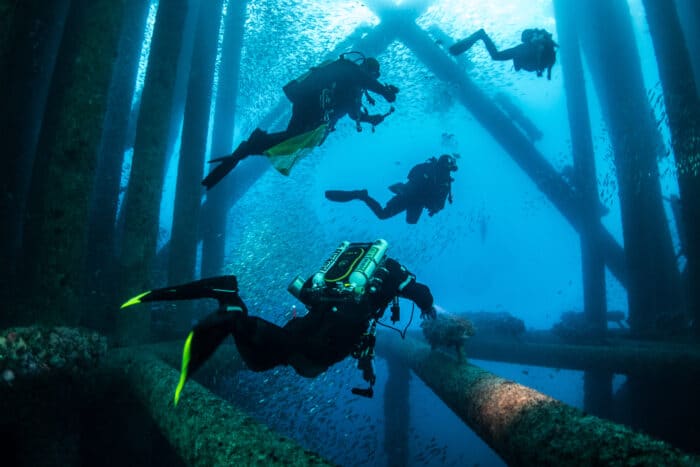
<point x="504" y="131"/>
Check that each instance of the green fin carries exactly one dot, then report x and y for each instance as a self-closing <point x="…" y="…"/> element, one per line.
<point x="285" y="154"/>
<point x="135" y="300"/>
<point x="185" y="365"/>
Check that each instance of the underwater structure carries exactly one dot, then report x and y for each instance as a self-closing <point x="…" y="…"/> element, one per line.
<point x="96" y="124"/>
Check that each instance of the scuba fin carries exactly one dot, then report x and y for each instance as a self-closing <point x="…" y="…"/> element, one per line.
<point x="342" y="196"/>
<point x="227" y="164"/>
<point x="201" y="343"/>
<point x="209" y="333"/>
<point x="286" y="153"/>
<point x="224" y="289"/>
<point x="466" y="43"/>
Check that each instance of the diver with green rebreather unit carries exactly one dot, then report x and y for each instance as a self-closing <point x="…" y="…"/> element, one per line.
<point x="345" y="299"/>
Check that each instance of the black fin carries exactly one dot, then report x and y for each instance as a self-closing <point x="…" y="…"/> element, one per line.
<point x="343" y="196"/>
<point x="226" y="165"/>
<point x="222" y="288"/>
<point x="201" y="343"/>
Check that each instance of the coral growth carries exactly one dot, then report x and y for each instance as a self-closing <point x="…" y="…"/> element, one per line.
<point x="447" y="331"/>
<point x="34" y="350"/>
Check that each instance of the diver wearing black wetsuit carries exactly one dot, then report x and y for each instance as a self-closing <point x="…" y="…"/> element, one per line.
<point x="324" y="95"/>
<point x="537" y="52"/>
<point x="429" y="186"/>
<point x="344" y="302"/>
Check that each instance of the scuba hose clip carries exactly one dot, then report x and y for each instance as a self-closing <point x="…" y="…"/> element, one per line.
<point x="326" y="101"/>
<point x="365" y="361"/>
<point x="395" y="310"/>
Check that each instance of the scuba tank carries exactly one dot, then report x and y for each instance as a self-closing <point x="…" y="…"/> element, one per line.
<point x="298" y="87"/>
<point x="363" y="273"/>
<point x="347" y="273"/>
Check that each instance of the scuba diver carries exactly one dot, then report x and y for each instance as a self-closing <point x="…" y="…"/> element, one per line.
<point x="319" y="98"/>
<point x="537" y="52"/>
<point x="345" y="300"/>
<point x="429" y="185"/>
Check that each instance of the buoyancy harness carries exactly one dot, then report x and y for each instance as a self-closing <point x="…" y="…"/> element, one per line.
<point x="353" y="272"/>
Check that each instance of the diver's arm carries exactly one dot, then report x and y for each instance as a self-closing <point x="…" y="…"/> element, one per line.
<point x="365" y="81"/>
<point x="437" y="202"/>
<point x="411" y="289"/>
<point x="420" y="295"/>
<point x="373" y="119"/>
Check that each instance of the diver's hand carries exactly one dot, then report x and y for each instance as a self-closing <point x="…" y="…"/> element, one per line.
<point x="375" y="119"/>
<point x="390" y="92"/>
<point x="429" y="313"/>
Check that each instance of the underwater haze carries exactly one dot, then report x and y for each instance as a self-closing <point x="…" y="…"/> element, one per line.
<point x="528" y="234"/>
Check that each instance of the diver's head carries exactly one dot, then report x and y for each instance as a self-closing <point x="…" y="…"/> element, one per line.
<point x="371" y="66"/>
<point x="449" y="161"/>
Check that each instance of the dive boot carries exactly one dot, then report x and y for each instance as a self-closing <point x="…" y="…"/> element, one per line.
<point x="465" y="44"/>
<point x="227" y="164"/>
<point x="209" y="333"/>
<point x="343" y="196"/>
<point x="255" y="144"/>
<point x="223" y="289"/>
<point x="203" y="340"/>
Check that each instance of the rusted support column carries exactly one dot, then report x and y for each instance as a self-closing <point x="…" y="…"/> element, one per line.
<point x="523" y="426"/>
<point x="30" y="35"/>
<point x="518" y="147"/>
<point x="683" y="111"/>
<point x="142" y="202"/>
<point x="213" y="219"/>
<point x="585" y="183"/>
<point x="204" y="429"/>
<point x="654" y="280"/>
<point x="54" y="231"/>
<point x="397" y="412"/>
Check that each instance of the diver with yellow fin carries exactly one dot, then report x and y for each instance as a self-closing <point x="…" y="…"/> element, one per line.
<point x="345" y="299"/>
<point x="319" y="98"/>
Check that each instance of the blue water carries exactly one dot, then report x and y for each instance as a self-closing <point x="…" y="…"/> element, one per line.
<point x="501" y="246"/>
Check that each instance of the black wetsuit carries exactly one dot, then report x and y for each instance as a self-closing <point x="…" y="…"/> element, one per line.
<point x="325" y="95"/>
<point x="328" y="93"/>
<point x="428" y="187"/>
<point x="324" y="336"/>
<point x="536" y="55"/>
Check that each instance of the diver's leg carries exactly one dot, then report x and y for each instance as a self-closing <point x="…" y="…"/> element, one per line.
<point x="203" y="340"/>
<point x="413" y="214"/>
<point x="309" y="356"/>
<point x="342" y="196"/>
<point x="495" y="54"/>
<point x="394" y="206"/>
<point x="257" y="143"/>
<point x="466" y="43"/>
<point x="261" y="344"/>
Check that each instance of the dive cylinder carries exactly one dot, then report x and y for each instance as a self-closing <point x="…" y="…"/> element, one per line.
<point x="319" y="279"/>
<point x="295" y="286"/>
<point x="364" y="271"/>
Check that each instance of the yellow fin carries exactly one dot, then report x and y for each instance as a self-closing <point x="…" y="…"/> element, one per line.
<point x="135" y="300"/>
<point x="185" y="364"/>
